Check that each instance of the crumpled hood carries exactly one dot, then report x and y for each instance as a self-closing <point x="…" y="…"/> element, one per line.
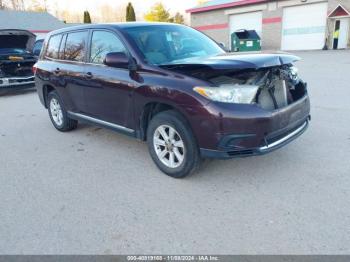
<point x="231" y="61"/>
<point x="14" y="38"/>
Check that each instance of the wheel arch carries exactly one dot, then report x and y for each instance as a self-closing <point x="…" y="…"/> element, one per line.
<point x="46" y="90"/>
<point x="150" y="110"/>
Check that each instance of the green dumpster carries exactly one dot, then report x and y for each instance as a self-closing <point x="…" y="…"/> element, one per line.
<point x="245" y="40"/>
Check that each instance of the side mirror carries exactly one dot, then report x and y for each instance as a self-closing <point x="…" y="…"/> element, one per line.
<point x="222" y="45"/>
<point x="117" y="59"/>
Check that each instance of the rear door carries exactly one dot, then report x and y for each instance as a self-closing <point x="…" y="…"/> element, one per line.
<point x="49" y="69"/>
<point x="108" y="89"/>
<point x="71" y="69"/>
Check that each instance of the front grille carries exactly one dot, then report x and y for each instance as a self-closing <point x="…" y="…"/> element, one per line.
<point x="21" y="80"/>
<point x="16" y="81"/>
<point x="246" y="152"/>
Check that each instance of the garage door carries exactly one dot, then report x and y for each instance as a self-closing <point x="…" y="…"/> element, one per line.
<point x="304" y="27"/>
<point x="248" y="21"/>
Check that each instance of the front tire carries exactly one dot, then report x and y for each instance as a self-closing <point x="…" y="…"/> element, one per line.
<point x="58" y="113"/>
<point x="172" y="145"/>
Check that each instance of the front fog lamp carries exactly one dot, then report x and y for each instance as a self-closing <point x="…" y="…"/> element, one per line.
<point x="240" y="94"/>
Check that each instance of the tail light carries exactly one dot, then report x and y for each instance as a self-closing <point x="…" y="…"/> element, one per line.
<point x="34" y="69"/>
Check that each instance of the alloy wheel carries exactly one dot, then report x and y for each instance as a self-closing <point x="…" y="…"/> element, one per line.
<point x="56" y="111"/>
<point x="169" y="146"/>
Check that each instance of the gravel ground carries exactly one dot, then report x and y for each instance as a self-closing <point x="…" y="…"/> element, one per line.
<point x="92" y="191"/>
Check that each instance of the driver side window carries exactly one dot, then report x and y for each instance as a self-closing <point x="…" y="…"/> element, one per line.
<point x="102" y="43"/>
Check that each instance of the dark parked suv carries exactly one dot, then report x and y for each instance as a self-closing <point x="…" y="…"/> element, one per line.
<point x="16" y="59"/>
<point x="173" y="87"/>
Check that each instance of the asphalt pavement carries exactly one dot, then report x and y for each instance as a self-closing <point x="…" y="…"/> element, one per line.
<point x="93" y="191"/>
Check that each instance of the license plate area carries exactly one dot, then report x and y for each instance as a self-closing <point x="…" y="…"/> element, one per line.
<point x="13" y="82"/>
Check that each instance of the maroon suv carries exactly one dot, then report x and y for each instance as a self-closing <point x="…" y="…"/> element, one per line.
<point x="173" y="87"/>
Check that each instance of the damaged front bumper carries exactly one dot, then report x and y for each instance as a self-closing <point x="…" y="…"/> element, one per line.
<point x="17" y="82"/>
<point x="258" y="132"/>
<point x="270" y="144"/>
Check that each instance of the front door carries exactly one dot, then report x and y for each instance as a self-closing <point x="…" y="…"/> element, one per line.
<point x="343" y="33"/>
<point x="108" y="89"/>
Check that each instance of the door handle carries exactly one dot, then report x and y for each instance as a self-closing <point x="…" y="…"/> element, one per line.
<point x="88" y="75"/>
<point x="57" y="71"/>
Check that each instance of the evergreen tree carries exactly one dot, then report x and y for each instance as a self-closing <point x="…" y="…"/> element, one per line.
<point x="87" y="18"/>
<point x="130" y="13"/>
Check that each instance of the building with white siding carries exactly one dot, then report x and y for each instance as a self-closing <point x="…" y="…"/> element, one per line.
<point x="281" y="24"/>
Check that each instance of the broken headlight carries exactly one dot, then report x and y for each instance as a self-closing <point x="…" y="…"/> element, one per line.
<point x="293" y="75"/>
<point x="240" y="94"/>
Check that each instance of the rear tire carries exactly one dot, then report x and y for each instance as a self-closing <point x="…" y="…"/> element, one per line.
<point x="172" y="145"/>
<point x="58" y="113"/>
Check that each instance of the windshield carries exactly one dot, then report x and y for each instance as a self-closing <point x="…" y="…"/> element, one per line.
<point x="168" y="44"/>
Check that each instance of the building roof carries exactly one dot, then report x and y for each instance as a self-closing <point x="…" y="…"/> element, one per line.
<point x="339" y="11"/>
<point x="219" y="4"/>
<point x="32" y="21"/>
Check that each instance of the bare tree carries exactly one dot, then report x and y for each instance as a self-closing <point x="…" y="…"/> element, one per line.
<point x="2" y="4"/>
<point x="104" y="13"/>
<point x="17" y="4"/>
<point x="110" y="13"/>
<point x="69" y="16"/>
<point x="38" y="6"/>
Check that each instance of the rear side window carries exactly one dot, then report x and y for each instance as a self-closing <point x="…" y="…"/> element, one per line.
<point x="53" y="47"/>
<point x="102" y="43"/>
<point x="75" y="46"/>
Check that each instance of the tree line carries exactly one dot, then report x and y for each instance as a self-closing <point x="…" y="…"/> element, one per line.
<point x="24" y="5"/>
<point x="104" y="13"/>
<point x="158" y="13"/>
